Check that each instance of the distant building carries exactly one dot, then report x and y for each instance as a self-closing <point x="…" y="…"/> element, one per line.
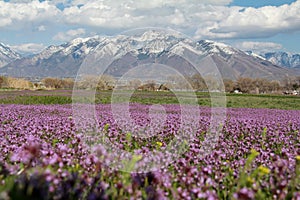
<point x="294" y="92"/>
<point x="237" y="91"/>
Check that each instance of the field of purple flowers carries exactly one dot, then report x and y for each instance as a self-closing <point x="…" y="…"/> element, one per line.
<point x="44" y="156"/>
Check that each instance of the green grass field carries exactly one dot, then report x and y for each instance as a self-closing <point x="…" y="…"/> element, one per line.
<point x="158" y="97"/>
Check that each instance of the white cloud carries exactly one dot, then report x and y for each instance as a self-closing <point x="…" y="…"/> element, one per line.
<point x="252" y="45"/>
<point x="207" y="19"/>
<point x="259" y="47"/>
<point x="146" y="3"/>
<point x="28" y="48"/>
<point x="133" y="14"/>
<point x="42" y="28"/>
<point x="70" y="34"/>
<point x="254" y="22"/>
<point x="19" y="14"/>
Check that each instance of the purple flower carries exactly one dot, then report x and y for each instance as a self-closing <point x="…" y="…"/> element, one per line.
<point x="244" y="194"/>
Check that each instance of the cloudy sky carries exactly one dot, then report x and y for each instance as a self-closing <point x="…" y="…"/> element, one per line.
<point x="259" y="25"/>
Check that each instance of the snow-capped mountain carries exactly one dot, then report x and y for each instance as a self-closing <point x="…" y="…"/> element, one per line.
<point x="147" y="47"/>
<point x="55" y="61"/>
<point x="283" y="59"/>
<point x="213" y="47"/>
<point x="251" y="53"/>
<point x="7" y="55"/>
<point x="234" y="63"/>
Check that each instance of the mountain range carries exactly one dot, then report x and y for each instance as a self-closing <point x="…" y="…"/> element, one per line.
<point x="147" y="47"/>
<point x="284" y="59"/>
<point x="7" y="55"/>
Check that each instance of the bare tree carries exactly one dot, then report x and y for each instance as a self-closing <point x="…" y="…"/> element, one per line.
<point x="106" y="82"/>
<point x="87" y="82"/>
<point x="67" y="83"/>
<point x="262" y="85"/>
<point x="288" y="83"/>
<point x="212" y="83"/>
<point x="274" y="86"/>
<point x="198" y="82"/>
<point x="135" y="84"/>
<point x="18" y="83"/>
<point x="149" y="85"/>
<point x="163" y="87"/>
<point x="229" y="85"/>
<point x="52" y="83"/>
<point x="1" y="81"/>
<point x="296" y="83"/>
<point x="246" y="85"/>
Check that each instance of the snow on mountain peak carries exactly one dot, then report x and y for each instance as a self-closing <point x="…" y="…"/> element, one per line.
<point x="77" y="41"/>
<point x="7" y="55"/>
<point x="285" y="59"/>
<point x="251" y="53"/>
<point x="216" y="47"/>
<point x="65" y="59"/>
<point x="155" y="35"/>
<point x="152" y="35"/>
<point x="5" y="50"/>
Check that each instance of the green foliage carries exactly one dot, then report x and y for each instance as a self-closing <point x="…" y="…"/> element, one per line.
<point x="30" y="100"/>
<point x="154" y="97"/>
<point x="264" y="137"/>
<point x="244" y="178"/>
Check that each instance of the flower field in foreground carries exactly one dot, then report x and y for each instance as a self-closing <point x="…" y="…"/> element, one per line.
<point x="43" y="156"/>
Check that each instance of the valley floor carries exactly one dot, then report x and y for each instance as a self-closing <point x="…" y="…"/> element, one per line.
<point x="285" y="102"/>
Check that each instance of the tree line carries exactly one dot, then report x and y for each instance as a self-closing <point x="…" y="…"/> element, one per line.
<point x="176" y="82"/>
<point x="50" y="83"/>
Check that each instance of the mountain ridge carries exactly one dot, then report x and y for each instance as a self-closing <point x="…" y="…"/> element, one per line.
<point x="7" y="55"/>
<point x="284" y="59"/>
<point x="64" y="60"/>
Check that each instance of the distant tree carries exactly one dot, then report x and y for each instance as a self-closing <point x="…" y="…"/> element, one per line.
<point x="212" y="83"/>
<point x="168" y="85"/>
<point x="163" y="87"/>
<point x="288" y="83"/>
<point x="87" y="82"/>
<point x="67" y="83"/>
<point x="52" y="83"/>
<point x="36" y="85"/>
<point x="258" y="85"/>
<point x="103" y="82"/>
<point x="171" y="81"/>
<point x="1" y="81"/>
<point x="149" y="85"/>
<point x="229" y="85"/>
<point x="4" y="82"/>
<point x="197" y="82"/>
<point x="135" y="84"/>
<point x="262" y="85"/>
<point x="297" y="82"/>
<point x="274" y="86"/>
<point x="245" y="84"/>
<point x="106" y="82"/>
<point x="18" y="83"/>
<point x="182" y="82"/>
